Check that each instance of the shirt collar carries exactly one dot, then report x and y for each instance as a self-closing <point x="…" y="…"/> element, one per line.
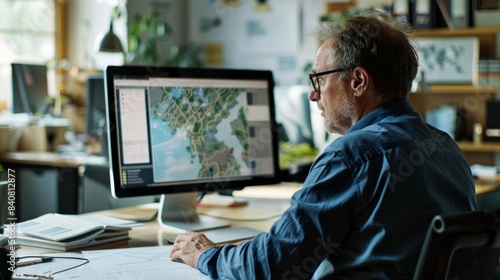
<point x="393" y="108"/>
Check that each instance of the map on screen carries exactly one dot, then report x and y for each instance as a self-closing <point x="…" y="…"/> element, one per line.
<point x="208" y="128"/>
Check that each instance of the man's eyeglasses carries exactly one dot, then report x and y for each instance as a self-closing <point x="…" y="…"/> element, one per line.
<point x="313" y="77"/>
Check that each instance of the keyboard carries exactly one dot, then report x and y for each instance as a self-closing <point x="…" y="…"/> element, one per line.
<point x="226" y="235"/>
<point x="231" y="234"/>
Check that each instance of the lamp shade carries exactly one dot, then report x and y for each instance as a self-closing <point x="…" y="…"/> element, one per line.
<point x="110" y="42"/>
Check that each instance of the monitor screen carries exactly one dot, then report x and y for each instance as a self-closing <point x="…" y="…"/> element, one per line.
<point x="29" y="89"/>
<point x="183" y="130"/>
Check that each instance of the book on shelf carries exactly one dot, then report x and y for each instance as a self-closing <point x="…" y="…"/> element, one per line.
<point x="489" y="71"/>
<point x="68" y="232"/>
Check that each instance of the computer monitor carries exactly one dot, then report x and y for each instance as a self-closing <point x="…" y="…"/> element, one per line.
<point x="96" y="112"/>
<point x="96" y="105"/>
<point x="29" y="89"/>
<point x="181" y="131"/>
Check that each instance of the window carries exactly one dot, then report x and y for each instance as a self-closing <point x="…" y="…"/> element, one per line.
<point x="27" y="35"/>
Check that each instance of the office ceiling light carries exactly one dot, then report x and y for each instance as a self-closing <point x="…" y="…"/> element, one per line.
<point x="110" y="42"/>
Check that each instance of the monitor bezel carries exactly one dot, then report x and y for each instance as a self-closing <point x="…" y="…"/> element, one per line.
<point x="215" y="73"/>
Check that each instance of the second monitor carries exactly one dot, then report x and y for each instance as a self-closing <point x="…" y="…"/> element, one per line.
<point x="30" y="89"/>
<point x="96" y="105"/>
<point x="96" y="112"/>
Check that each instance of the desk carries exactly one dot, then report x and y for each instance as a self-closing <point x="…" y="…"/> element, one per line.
<point x="52" y="159"/>
<point x="54" y="177"/>
<point x="259" y="213"/>
<point x="484" y="187"/>
<point x="60" y="180"/>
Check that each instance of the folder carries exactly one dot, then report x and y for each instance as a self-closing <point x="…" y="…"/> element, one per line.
<point x="426" y="14"/>
<point x="460" y="12"/>
<point x="422" y="14"/>
<point x="401" y="9"/>
<point x="456" y="13"/>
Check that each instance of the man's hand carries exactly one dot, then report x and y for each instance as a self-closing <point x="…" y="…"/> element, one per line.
<point x="188" y="247"/>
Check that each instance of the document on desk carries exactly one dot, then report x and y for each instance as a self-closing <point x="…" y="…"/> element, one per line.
<point x="136" y="263"/>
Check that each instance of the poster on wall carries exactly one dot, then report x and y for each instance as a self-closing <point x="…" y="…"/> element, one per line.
<point x="451" y="60"/>
<point x="271" y="30"/>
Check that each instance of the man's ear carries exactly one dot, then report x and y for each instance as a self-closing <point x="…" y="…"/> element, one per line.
<point x="359" y="81"/>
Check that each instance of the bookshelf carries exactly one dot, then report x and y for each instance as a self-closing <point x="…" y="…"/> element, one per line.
<point x="472" y="97"/>
<point x="486" y="36"/>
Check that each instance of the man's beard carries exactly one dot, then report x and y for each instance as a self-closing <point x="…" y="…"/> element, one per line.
<point x="340" y="121"/>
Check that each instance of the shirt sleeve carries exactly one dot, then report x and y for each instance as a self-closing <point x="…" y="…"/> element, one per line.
<point x="203" y="261"/>
<point x="306" y="234"/>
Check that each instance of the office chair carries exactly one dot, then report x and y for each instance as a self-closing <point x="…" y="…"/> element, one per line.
<point x="461" y="246"/>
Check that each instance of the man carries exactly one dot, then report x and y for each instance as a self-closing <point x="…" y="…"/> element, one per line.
<point x="368" y="200"/>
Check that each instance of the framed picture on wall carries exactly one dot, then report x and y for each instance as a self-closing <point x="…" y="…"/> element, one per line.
<point x="452" y="60"/>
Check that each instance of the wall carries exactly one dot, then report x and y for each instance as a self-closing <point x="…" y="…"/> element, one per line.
<point x="87" y="20"/>
<point x="289" y="24"/>
<point x="278" y="39"/>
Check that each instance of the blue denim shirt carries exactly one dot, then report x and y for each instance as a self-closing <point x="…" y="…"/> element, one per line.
<point x="364" y="208"/>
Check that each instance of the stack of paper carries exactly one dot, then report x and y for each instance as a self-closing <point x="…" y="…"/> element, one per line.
<point x="69" y="232"/>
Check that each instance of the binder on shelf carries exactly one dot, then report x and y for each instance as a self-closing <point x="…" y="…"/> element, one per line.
<point x="426" y="14"/>
<point x="422" y="14"/>
<point x="460" y="12"/>
<point x="456" y="13"/>
<point x="444" y="10"/>
<point x="401" y="10"/>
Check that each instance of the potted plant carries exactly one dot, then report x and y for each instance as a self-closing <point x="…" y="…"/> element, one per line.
<point x="145" y="32"/>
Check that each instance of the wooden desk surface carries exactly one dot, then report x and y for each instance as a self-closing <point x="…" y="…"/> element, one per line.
<point x="52" y="159"/>
<point x="260" y="213"/>
<point x="486" y="186"/>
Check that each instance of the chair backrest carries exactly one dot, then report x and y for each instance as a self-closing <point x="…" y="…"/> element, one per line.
<point x="461" y="246"/>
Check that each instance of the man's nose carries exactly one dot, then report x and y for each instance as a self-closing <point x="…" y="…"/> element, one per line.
<point x="313" y="95"/>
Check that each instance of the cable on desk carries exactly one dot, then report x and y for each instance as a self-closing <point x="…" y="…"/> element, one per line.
<point x="85" y="261"/>
<point x="201" y="196"/>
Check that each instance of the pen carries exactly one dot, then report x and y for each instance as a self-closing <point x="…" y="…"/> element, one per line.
<point x="30" y="262"/>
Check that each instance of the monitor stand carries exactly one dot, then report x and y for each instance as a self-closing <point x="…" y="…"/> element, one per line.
<point x="178" y="211"/>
